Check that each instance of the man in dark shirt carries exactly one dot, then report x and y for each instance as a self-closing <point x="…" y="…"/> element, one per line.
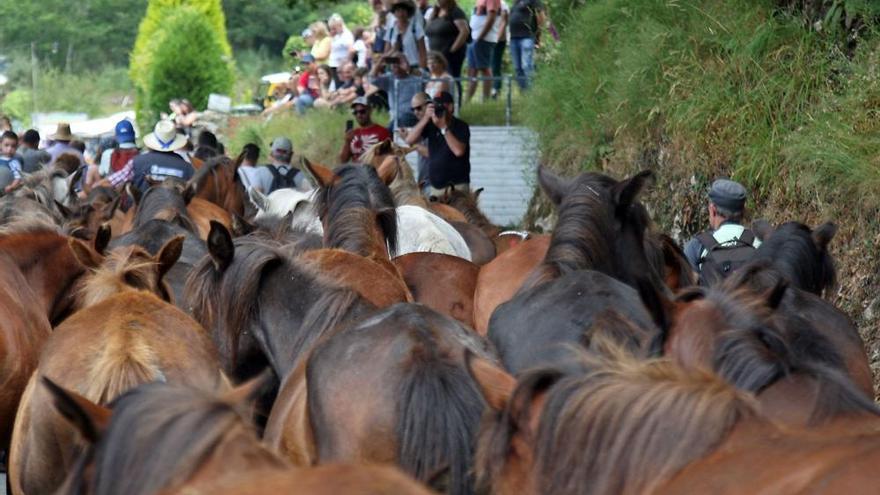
<point x="33" y="159"/>
<point x="449" y="153"/>
<point x="526" y="18"/>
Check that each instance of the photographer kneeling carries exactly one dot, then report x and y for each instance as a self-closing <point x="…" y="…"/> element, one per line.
<point x="449" y="154"/>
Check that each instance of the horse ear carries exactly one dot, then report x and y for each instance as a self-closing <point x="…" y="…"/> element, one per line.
<point x="248" y="392"/>
<point x="90" y="419"/>
<point x="65" y="211"/>
<point x="84" y="254"/>
<point x="387" y="171"/>
<point x="774" y="296"/>
<point x="323" y="175"/>
<point x="110" y="209"/>
<point x="189" y="192"/>
<point x="240" y="226"/>
<point x="626" y="192"/>
<point x="74" y="178"/>
<point x="220" y="246"/>
<point x="762" y="229"/>
<point x="260" y="200"/>
<point x="477" y="193"/>
<point x="134" y="192"/>
<point x="495" y="384"/>
<point x="553" y="185"/>
<point x="197" y="162"/>
<point x="823" y="234"/>
<point x="102" y="238"/>
<point x="169" y="254"/>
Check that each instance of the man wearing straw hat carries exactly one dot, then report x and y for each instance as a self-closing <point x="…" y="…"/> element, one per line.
<point x="157" y="164"/>
<point x="61" y="144"/>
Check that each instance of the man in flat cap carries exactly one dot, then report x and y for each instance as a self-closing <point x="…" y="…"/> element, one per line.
<point x="727" y="245"/>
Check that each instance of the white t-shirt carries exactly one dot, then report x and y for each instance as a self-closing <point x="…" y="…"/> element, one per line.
<point x="414" y="32"/>
<point x="361" y="48"/>
<point x="479" y="17"/>
<point x="339" y="46"/>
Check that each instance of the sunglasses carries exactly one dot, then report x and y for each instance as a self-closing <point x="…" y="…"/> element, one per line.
<point x="418" y="108"/>
<point x="361" y="111"/>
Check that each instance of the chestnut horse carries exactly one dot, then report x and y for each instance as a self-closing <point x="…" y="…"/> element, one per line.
<point x="389" y="389"/>
<point x="217" y="181"/>
<point x="615" y="425"/>
<point x="596" y="249"/>
<point x="443" y="283"/>
<point x="125" y="335"/>
<point x="172" y="439"/>
<point x="360" y="233"/>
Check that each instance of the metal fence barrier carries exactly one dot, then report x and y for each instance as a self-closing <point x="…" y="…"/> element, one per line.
<point x="459" y="88"/>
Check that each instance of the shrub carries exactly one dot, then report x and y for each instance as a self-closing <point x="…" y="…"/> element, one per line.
<point x="189" y="62"/>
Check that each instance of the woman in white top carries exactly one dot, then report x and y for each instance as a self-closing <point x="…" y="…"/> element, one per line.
<point x="341" y="43"/>
<point x="406" y="35"/>
<point x="441" y="79"/>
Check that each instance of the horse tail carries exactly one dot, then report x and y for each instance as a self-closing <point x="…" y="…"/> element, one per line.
<point x="437" y="419"/>
<point x="124" y="364"/>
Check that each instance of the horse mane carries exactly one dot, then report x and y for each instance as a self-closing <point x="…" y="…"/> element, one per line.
<point x="584" y="234"/>
<point x="159" y="435"/>
<point x="123" y="269"/>
<point x="351" y="206"/>
<point x="755" y="351"/>
<point x="30" y="224"/>
<point x="613" y="425"/>
<point x="466" y="203"/>
<point x="209" y="166"/>
<point x="438" y="414"/>
<point x="165" y="202"/>
<point x="236" y="309"/>
<point x="792" y="251"/>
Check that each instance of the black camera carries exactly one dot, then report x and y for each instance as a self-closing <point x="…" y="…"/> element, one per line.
<point x="439" y="109"/>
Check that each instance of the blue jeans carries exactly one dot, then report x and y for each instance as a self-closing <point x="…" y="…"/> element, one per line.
<point x="522" y="52"/>
<point x="304" y="101"/>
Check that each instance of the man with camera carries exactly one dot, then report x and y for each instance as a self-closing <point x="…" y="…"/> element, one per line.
<point x="449" y="160"/>
<point x="359" y="140"/>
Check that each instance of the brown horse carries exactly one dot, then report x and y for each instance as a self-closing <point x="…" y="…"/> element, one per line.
<point x="403" y="396"/>
<point x="615" y="425"/>
<point x="442" y="282"/>
<point x="100" y="206"/>
<point x="172" y="439"/>
<point x="801" y="375"/>
<point x="360" y="232"/>
<point x="124" y="336"/>
<point x="501" y="278"/>
<point x="217" y="181"/>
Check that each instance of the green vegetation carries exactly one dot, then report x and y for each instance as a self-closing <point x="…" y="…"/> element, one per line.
<point x="732" y="86"/>
<point x="188" y="62"/>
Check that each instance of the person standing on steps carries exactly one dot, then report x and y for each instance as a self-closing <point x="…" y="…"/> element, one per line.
<point x="727" y="244"/>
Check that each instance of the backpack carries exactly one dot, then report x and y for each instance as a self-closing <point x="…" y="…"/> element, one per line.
<point x="282" y="181"/>
<point x="722" y="260"/>
<point x="120" y="157"/>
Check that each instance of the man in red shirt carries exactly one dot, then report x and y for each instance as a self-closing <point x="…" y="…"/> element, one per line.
<point x="359" y="140"/>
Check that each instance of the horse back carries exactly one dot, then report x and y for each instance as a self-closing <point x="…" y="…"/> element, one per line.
<point x="377" y="281"/>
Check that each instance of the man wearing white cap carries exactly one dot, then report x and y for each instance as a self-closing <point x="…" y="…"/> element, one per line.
<point x="159" y="163"/>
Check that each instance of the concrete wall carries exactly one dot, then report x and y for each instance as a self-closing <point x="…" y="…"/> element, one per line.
<point x="503" y="162"/>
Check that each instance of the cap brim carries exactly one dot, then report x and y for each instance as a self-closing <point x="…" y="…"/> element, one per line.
<point x="151" y="142"/>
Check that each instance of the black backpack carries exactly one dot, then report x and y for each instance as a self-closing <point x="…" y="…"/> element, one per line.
<point x="282" y="181"/>
<point x="722" y="260"/>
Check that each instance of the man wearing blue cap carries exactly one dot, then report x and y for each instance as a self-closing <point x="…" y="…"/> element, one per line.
<point x="727" y="245"/>
<point x="113" y="159"/>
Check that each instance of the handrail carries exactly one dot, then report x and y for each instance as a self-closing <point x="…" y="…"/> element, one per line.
<point x="508" y="110"/>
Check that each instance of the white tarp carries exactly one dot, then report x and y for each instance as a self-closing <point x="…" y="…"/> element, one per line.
<point x="80" y="125"/>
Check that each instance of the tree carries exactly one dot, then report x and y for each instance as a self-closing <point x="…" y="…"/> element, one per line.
<point x="156" y="17"/>
<point x="189" y="60"/>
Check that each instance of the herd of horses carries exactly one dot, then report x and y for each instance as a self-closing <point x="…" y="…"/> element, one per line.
<point x="362" y="339"/>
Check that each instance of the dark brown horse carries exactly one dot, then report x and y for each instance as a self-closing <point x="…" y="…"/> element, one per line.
<point x="615" y="425"/>
<point x="124" y="335"/>
<point x="800" y="375"/>
<point x="263" y="306"/>
<point x="800" y="255"/>
<point x="360" y="233"/>
<point x="390" y="389"/>
<point x="217" y="181"/>
<point x="595" y="263"/>
<point x="172" y="439"/>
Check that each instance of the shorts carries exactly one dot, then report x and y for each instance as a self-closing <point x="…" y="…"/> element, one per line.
<point x="479" y="54"/>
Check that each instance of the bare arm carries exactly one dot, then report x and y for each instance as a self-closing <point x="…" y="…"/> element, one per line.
<point x="463" y="32"/>
<point x="458" y="148"/>
<point x="490" y="20"/>
<point x="345" y="153"/>
<point x="423" y="54"/>
<point x="415" y="134"/>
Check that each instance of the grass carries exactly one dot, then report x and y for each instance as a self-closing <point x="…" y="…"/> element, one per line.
<point x="734" y="86"/>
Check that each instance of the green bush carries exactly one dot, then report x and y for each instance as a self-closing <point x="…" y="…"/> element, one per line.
<point x="189" y="62"/>
<point x="734" y="87"/>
